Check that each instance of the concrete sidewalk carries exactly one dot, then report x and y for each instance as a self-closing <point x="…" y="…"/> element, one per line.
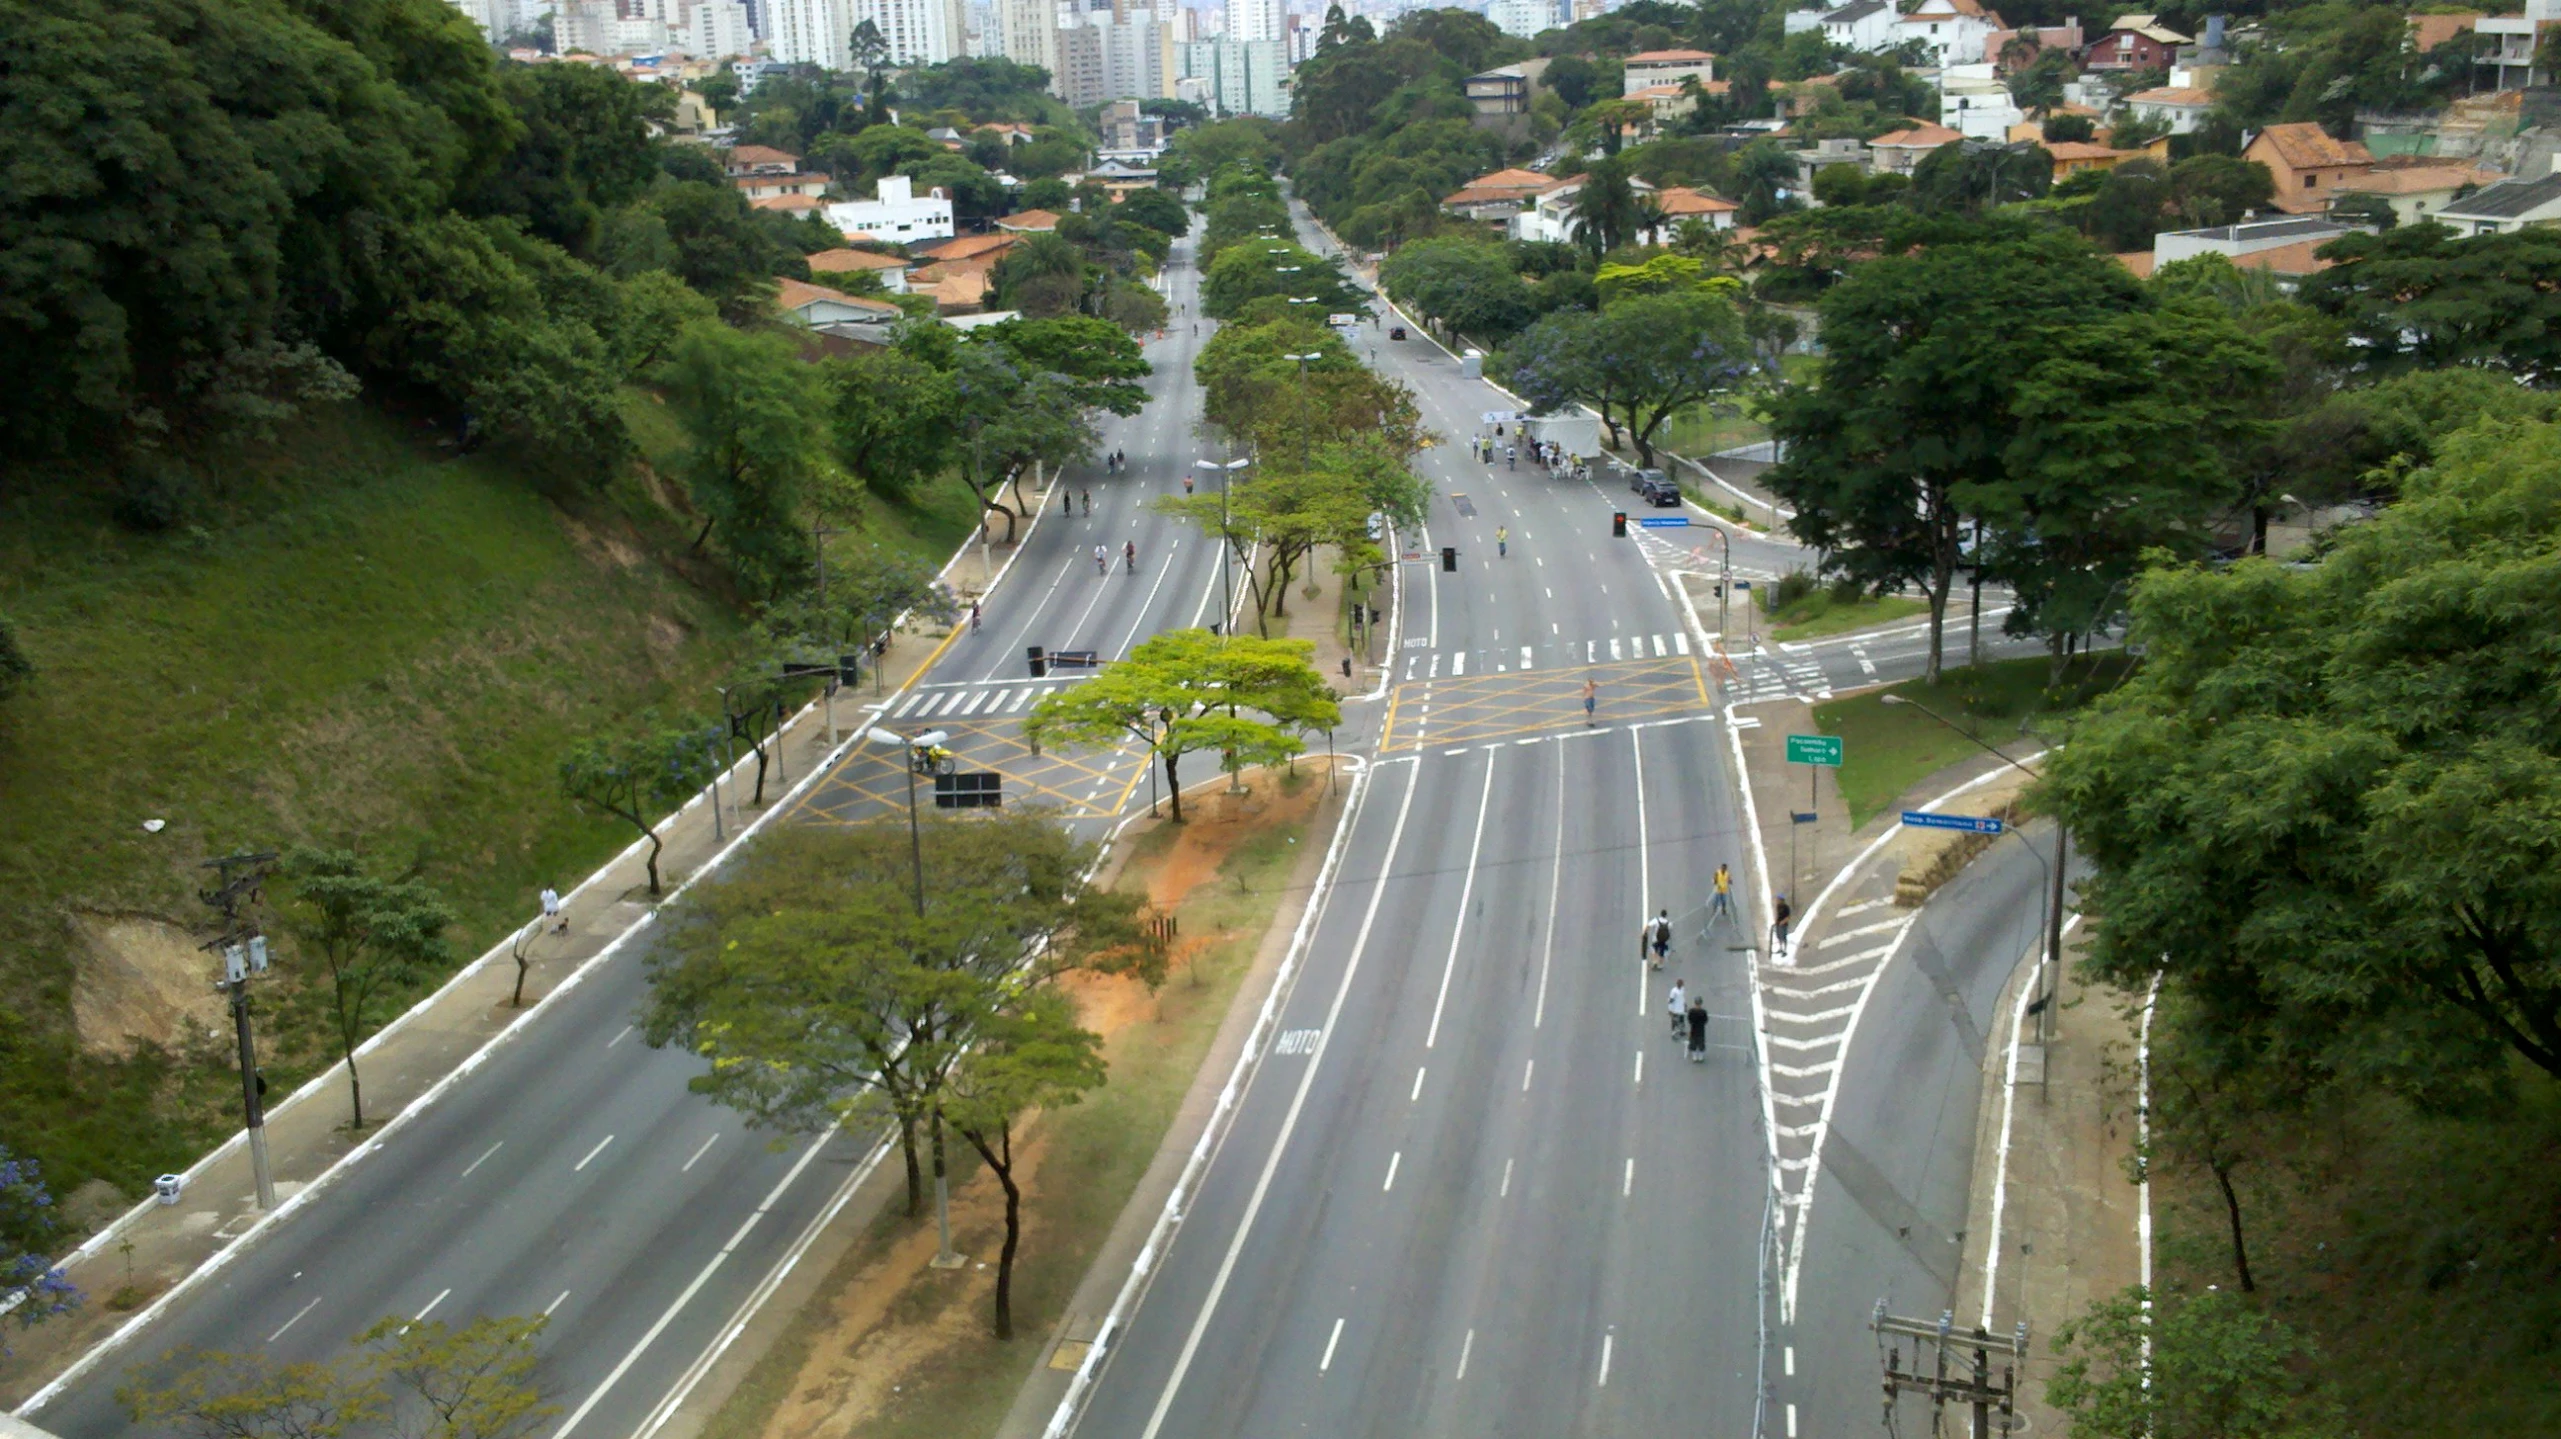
<point x="162" y="1246"/>
<point x="2052" y="1149"/>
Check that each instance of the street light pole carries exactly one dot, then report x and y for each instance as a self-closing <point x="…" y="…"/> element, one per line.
<point x="1226" y="547"/>
<point x="2052" y="966"/>
<point x="945" y="1257"/>
<point x="244" y="952"/>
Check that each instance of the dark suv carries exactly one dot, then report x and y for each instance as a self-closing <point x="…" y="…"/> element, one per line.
<point x="1658" y="491"/>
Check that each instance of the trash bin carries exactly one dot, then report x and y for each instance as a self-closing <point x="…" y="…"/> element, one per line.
<point x="168" y="1187"/>
<point x="1040" y="661"/>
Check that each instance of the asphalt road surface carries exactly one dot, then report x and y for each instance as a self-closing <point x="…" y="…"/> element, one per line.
<point x="572" y="1174"/>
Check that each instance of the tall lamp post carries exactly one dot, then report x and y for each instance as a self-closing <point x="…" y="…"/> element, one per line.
<point x="2052" y="966"/>
<point x="1226" y="588"/>
<point x="945" y="1257"/>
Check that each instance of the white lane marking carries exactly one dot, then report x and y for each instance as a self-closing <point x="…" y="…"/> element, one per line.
<point x="1644" y="866"/>
<point x="1330" y="1341"/>
<point x="1466" y="893"/>
<point x="1862" y="907"/>
<point x="1525" y="657"/>
<point x="591" y="1154"/>
<point x="1862" y="957"/>
<point x="1466" y="1347"/>
<point x="296" y="1319"/>
<point x="1791" y="1361"/>
<point x="557" y="1300"/>
<point x="699" y="1153"/>
<point x="421" y="1316"/>
<point x="1418" y="1085"/>
<point x="1659" y="651"/>
<point x="1614" y="651"/>
<point x="912" y="701"/>
<point x="1591" y="649"/>
<point x="1555" y="888"/>
<point x="1392" y="1161"/>
<point x="1606" y="1341"/>
<point x="1458" y="664"/>
<point x="1528" y="1068"/>
<point x="619" y="1038"/>
<point x="1680" y="643"/>
<point x="1149" y="603"/>
<point x="1289" y="1125"/>
<point x="1791" y="1421"/>
<point x="1506" y="1191"/>
<point x="1627" y="1179"/>
<point x="1021" y="697"/>
<point x="1640" y="1068"/>
<point x="484" y="1157"/>
<point x="1845" y="936"/>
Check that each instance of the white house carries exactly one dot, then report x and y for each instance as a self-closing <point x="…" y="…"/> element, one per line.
<point x="1650" y="68"/>
<point x="2507" y="205"/>
<point x="1954" y="30"/>
<point x="2181" y="107"/>
<point x="1866" y="26"/>
<point x="1975" y="103"/>
<point x="895" y="213"/>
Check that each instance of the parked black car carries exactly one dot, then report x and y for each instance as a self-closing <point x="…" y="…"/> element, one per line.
<point x="1659" y="491"/>
<point x="1397" y="333"/>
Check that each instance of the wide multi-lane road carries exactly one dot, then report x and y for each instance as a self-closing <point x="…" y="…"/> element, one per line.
<point x="1475" y="1187"/>
<point x="571" y="1173"/>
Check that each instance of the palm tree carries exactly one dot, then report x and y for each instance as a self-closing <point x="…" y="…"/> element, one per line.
<point x="1607" y="212"/>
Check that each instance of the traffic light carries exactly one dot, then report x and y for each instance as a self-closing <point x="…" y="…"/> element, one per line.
<point x="1618" y="524"/>
<point x="1039" y="660"/>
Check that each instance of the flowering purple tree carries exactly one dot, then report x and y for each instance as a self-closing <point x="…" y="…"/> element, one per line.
<point x="29" y="1225"/>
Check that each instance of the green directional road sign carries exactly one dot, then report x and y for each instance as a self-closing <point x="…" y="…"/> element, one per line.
<point x="1814" y="749"/>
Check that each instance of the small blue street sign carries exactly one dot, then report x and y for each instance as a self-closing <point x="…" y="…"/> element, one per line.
<point x="1665" y="522"/>
<point x="1978" y="824"/>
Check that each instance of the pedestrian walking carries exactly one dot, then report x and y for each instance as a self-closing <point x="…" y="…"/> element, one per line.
<point x="1778" y="930"/>
<point x="1187" y="484"/>
<point x="1129" y="555"/>
<point x="1591" y="700"/>
<point x="1698" y="1029"/>
<point x="973" y="616"/>
<point x="1089" y="503"/>
<point x="1677" y="1006"/>
<point x="1659" y="935"/>
<point x="553" y="918"/>
<point x="1502" y="540"/>
<point x="1721" y="904"/>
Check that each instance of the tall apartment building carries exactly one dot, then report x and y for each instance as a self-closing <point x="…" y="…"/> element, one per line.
<point x="810" y="32"/>
<point x="1240" y="77"/>
<point x="1252" y="20"/>
<point x="1030" y="28"/>
<point x="1524" y="18"/>
<point x="919" y="32"/>
<point x="499" y="19"/>
<point x="1107" y="58"/>
<point x="719" y="30"/>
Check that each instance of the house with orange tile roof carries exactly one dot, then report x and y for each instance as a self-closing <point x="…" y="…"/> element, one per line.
<point x="892" y="269"/>
<point x="1898" y="152"/>
<point x="962" y="248"/>
<point x="1500" y="195"/>
<point x="2071" y="157"/>
<point x="1678" y="203"/>
<point x="2416" y="192"/>
<point x="790" y="204"/>
<point x="1029" y="222"/>
<point x="759" y="160"/>
<point x="815" y="305"/>
<point x="2135" y="42"/>
<point x="2307" y="165"/>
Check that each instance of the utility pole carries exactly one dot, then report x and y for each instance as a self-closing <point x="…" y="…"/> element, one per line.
<point x="1995" y="1406"/>
<point x="818" y="533"/>
<point x="244" y="953"/>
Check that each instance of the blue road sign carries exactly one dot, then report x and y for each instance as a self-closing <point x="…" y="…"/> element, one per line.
<point x="1665" y="522"/>
<point x="1978" y="824"/>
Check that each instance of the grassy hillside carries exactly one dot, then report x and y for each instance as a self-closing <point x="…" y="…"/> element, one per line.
<point x="358" y="640"/>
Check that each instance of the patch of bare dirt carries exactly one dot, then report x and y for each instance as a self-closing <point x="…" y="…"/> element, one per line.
<point x="141" y="981"/>
<point x="899" y="1316"/>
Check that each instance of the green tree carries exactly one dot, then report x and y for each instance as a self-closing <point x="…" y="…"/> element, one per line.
<point x="475" y="1382"/>
<point x="1637" y="363"/>
<point x="718" y="247"/>
<point x="208" y="1394"/>
<point x="755" y="456"/>
<point x="1607" y="212"/>
<point x="2211" y="190"/>
<point x="1323" y="495"/>
<point x="1464" y="282"/>
<point x="819" y="992"/>
<point x="16" y="670"/>
<point x="2323" y="805"/>
<point x="2417" y="297"/>
<point x="2202" y="1366"/>
<point x="891" y="420"/>
<point x="377" y="937"/>
<point x="584" y="150"/>
<point x="634" y="777"/>
<point x="1156" y="210"/>
<point x="1043" y="277"/>
<point x="30" y="1229"/>
<point x="1030" y="1054"/>
<point x="1185" y="691"/>
<point x="1911" y="424"/>
<point x="2070" y="130"/>
<point x="1244" y="273"/>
